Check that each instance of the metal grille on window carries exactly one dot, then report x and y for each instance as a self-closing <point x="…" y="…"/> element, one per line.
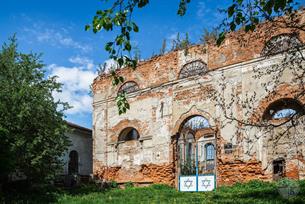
<point x="129" y="87"/>
<point x="192" y="69"/>
<point x="281" y="43"/>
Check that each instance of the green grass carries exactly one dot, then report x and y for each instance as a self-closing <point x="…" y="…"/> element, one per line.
<point x="252" y="192"/>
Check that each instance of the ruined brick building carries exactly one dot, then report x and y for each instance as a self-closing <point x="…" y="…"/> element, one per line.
<point x="173" y="117"/>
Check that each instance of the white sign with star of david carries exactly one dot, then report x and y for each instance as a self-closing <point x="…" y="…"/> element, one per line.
<point x="188" y="183"/>
<point x="206" y="183"/>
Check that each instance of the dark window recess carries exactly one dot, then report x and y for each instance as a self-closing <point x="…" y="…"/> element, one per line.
<point x="278" y="168"/>
<point x="283" y="108"/>
<point x="129" y="134"/>
<point x="208" y="136"/>
<point x="73" y="162"/>
<point x="228" y="148"/>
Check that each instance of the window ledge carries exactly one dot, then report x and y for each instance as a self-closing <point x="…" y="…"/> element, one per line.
<point x="145" y="138"/>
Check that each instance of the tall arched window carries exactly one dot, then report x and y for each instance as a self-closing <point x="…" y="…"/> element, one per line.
<point x="210" y="151"/>
<point x="129" y="87"/>
<point x="209" y="156"/>
<point x="128" y="134"/>
<point x="192" y="69"/>
<point x="281" y="43"/>
<point x="73" y="162"/>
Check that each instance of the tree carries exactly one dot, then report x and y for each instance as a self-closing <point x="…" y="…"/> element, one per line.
<point x="32" y="128"/>
<point x="241" y="14"/>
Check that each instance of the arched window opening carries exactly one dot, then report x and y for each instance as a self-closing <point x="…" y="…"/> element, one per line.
<point x="281" y="43"/>
<point x="195" y="123"/>
<point x="192" y="69"/>
<point x="73" y="163"/>
<point x="278" y="168"/>
<point x="128" y="134"/>
<point x="283" y="109"/>
<point x="192" y="143"/>
<point x="129" y="87"/>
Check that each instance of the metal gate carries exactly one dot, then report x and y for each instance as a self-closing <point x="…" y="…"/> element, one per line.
<point x="196" y="163"/>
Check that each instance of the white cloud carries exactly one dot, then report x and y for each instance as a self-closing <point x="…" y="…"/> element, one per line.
<point x="76" y="82"/>
<point x="83" y="61"/>
<point x="109" y="65"/>
<point x="202" y="10"/>
<point x="55" y="37"/>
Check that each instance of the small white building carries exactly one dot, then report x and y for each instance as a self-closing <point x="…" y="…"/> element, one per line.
<point x="78" y="158"/>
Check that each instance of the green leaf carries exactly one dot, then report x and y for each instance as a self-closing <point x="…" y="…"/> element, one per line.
<point x="119" y="40"/>
<point x="120" y="61"/>
<point x="127" y="46"/>
<point x="220" y="39"/>
<point x="108" y="46"/>
<point x="232" y="26"/>
<point x="231" y="10"/>
<point x="250" y="27"/>
<point x="87" y="27"/>
<point x="121" y="79"/>
<point x="142" y="3"/>
<point x="135" y="27"/>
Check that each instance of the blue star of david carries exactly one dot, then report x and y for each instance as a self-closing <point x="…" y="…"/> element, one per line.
<point x="206" y="183"/>
<point x="188" y="183"/>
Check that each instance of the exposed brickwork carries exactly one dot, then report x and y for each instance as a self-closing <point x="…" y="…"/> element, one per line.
<point x="283" y="91"/>
<point x="239" y="171"/>
<point x="198" y="93"/>
<point x="163" y="102"/>
<point x="159" y="173"/>
<point x="146" y="173"/>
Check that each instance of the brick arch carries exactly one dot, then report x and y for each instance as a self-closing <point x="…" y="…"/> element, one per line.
<point x="201" y="68"/>
<point x="274" y="46"/>
<point x="283" y="91"/>
<point x="119" y="127"/>
<point x="194" y="111"/>
<point x="134" y="83"/>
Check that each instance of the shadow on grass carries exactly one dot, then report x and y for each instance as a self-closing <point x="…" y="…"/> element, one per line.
<point x="20" y="193"/>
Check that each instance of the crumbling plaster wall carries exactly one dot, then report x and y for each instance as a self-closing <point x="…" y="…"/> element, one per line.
<point x="163" y="102"/>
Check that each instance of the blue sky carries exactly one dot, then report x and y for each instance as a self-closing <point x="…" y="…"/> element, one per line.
<point x="56" y="29"/>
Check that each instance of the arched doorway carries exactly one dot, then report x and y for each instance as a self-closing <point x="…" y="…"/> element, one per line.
<point x="196" y="147"/>
<point x="196" y="155"/>
<point x="73" y="163"/>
